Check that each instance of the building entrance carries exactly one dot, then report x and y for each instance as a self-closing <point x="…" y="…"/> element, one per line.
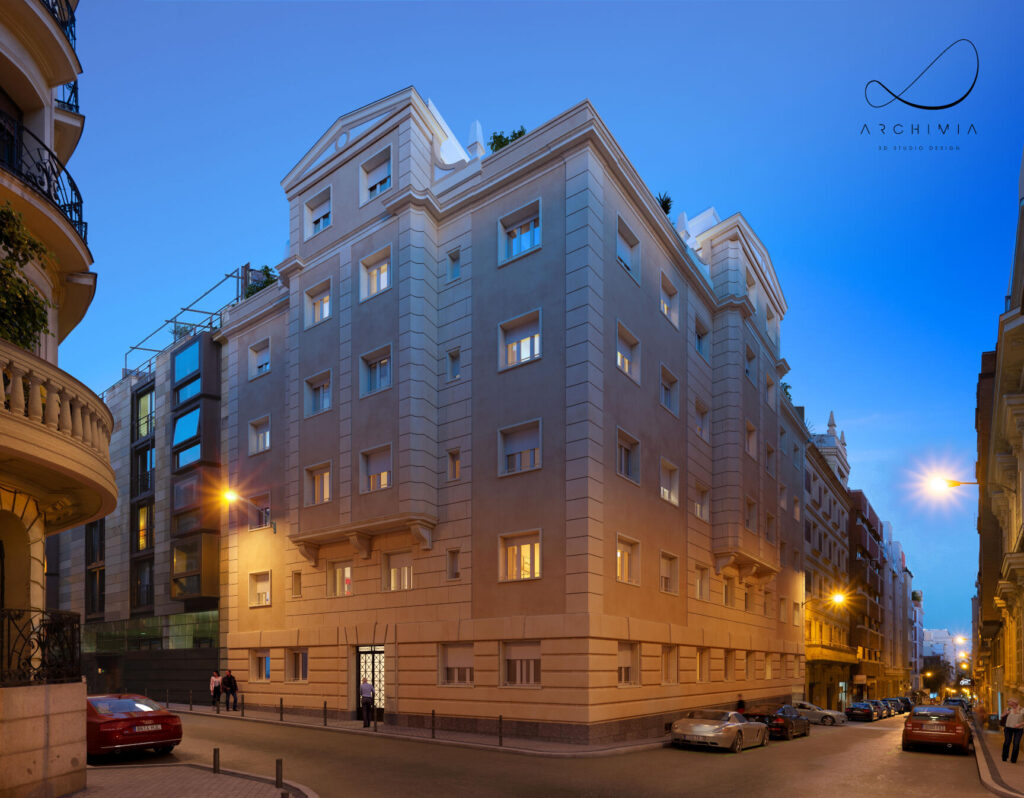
<point x="370" y="665"/>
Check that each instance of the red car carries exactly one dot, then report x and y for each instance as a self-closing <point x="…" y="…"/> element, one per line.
<point x="944" y="726"/>
<point x="116" y="723"/>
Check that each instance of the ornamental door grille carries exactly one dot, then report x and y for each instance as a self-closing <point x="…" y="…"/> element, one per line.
<point x="370" y="660"/>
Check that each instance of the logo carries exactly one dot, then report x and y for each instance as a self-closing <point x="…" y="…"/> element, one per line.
<point x="882" y="91"/>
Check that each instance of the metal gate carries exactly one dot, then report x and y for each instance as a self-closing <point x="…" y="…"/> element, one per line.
<point x="371" y="666"/>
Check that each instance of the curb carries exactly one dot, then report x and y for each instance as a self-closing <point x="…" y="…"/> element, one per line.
<point x="508" y="749"/>
<point x="294" y="788"/>
<point x="988" y="772"/>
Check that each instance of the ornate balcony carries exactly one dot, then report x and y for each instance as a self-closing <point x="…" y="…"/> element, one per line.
<point x="64" y="15"/>
<point x="39" y="647"/>
<point x="54" y="440"/>
<point x="826" y="652"/>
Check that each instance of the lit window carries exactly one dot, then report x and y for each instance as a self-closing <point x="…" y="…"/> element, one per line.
<point x="377" y="469"/>
<point x="520" y="448"/>
<point x="669" y="482"/>
<point x="522" y="663"/>
<point x="669" y="573"/>
<point x="454" y="265"/>
<point x="259" y="359"/>
<point x="702" y="582"/>
<point x="702" y="419"/>
<point x="520" y="556"/>
<point x="142" y="538"/>
<point x="628" y="663"/>
<point x="339" y="579"/>
<point x="627" y="249"/>
<point x="375" y="175"/>
<point x="520" y="340"/>
<point x="627" y="353"/>
<point x="669" y="391"/>
<point x="318" y="484"/>
<point x="259" y="589"/>
<point x="454" y="465"/>
<point x="376" y="371"/>
<point x="627" y="566"/>
<point x="670" y="664"/>
<point x="259" y="435"/>
<point x="296" y="665"/>
<point x="627" y="457"/>
<point x="318" y="393"/>
<point x="456" y="660"/>
<point x="318" y="304"/>
<point x="703" y="665"/>
<point x="375" y="274"/>
<point x="398" y="571"/>
<point x="701" y="339"/>
<point x="318" y="213"/>
<point x="454" y="365"/>
<point x="259" y="665"/>
<point x="143" y="414"/>
<point x="702" y="504"/>
<point x="669" y="300"/>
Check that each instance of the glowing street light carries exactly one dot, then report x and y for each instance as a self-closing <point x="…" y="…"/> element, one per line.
<point x="960" y="640"/>
<point x="231" y="496"/>
<point x="963" y="666"/>
<point x="928" y="674"/>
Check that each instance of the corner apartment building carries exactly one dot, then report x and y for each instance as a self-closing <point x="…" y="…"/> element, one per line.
<point x="54" y="432"/>
<point x="867" y="562"/>
<point x="897" y="618"/>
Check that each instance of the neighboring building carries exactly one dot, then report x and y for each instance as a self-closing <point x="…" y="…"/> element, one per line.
<point x="867" y="562"/>
<point x="988" y="640"/>
<point x="916" y="640"/>
<point x="54" y="432"/>
<point x="897" y="619"/>
<point x="941" y="643"/>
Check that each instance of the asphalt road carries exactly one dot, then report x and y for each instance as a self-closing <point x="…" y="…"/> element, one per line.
<point x="862" y="759"/>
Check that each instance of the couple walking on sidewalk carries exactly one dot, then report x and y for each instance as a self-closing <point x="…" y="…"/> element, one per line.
<point x="1012" y="722"/>
<point x="226" y="684"/>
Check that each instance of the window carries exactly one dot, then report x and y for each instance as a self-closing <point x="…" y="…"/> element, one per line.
<point x="454" y="370"/>
<point x="796" y="613"/>
<point x="519" y="232"/>
<point x="454" y="465"/>
<point x="376" y="465"/>
<point x="398" y="571"/>
<point x="318" y="393"/>
<point x="702" y="419"/>
<point x="768" y="605"/>
<point x="730" y="666"/>
<point x="669" y="391"/>
<point x="796" y="509"/>
<point x="186" y="361"/>
<point x="318" y="304"/>
<point x="627" y="353"/>
<point x="522" y="663"/>
<point x="629" y="663"/>
<point x="259" y="359"/>
<point x="750" y="367"/>
<point x="702" y="504"/>
<point x="186" y="427"/>
<point x="702" y="339"/>
<point x="452" y="560"/>
<point x="750" y="516"/>
<point x="296" y="584"/>
<point x="670" y="664"/>
<point x="187" y="391"/>
<point x="142" y="583"/>
<point x="259" y="589"/>
<point x="669" y="486"/>
<point x="783" y="496"/>
<point x="783" y="607"/>
<point x="375" y="176"/>
<point x="142" y="527"/>
<point x="729" y="591"/>
<point x="669" y="300"/>
<point x="519" y="340"/>
<point x="259" y="665"/>
<point x="143" y="414"/>
<point x="259" y="435"/>
<point x="519" y="448"/>
<point x="375" y="274"/>
<point x="259" y="511"/>
<point x="339" y="579"/>
<point x="296" y="665"/>
<point x="95" y="577"/>
<point x="318" y="484"/>
<point x="185" y="492"/>
<point x="520" y="556"/>
<point x="627" y="564"/>
<point x="751" y="440"/>
<point x="702" y="582"/>
<point x="187" y="456"/>
<point x="375" y="371"/>
<point x="669" y="573"/>
<point x="627" y="249"/>
<point x="769" y="527"/>
<point x="768" y="662"/>
<point x="454" y="266"/>
<point x="769" y="459"/>
<point x="627" y="457"/>
<point x="456" y="660"/>
<point x="703" y="665"/>
<point x="769" y="391"/>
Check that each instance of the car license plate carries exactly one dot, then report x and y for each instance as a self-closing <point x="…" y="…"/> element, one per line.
<point x="933" y="727"/>
<point x="694" y="738"/>
<point x="150" y="727"/>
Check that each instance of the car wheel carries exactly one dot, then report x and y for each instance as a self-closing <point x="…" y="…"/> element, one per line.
<point x="807" y="733"/>
<point x="828" y="720"/>
<point x="164" y="749"/>
<point x="907" y="746"/>
<point x="789" y="733"/>
<point x="737" y="743"/>
<point x="765" y="738"/>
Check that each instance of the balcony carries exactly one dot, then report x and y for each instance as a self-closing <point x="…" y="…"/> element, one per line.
<point x="39" y="647"/>
<point x="822" y="652"/>
<point x="54" y="441"/>
<point x="64" y="15"/>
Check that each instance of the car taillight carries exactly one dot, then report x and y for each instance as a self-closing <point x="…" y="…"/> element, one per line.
<point x="959" y="729"/>
<point x="778" y="721"/>
<point x="117" y="726"/>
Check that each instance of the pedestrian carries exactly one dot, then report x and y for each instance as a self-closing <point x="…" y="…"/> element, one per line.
<point x="1013" y="726"/>
<point x="230" y="687"/>
<point x="215" y="689"/>
<point x="741" y="705"/>
<point x="366" y="698"/>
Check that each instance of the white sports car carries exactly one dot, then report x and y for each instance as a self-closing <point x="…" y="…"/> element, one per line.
<point x="716" y="728"/>
<point x="815" y="714"/>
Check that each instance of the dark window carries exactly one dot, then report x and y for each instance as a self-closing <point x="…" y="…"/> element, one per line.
<point x="95" y="578"/>
<point x="142" y="584"/>
<point x="142" y="468"/>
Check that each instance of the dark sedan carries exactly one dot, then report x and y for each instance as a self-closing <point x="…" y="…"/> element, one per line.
<point x="862" y="711"/>
<point x="782" y="720"/>
<point x="116" y="723"/>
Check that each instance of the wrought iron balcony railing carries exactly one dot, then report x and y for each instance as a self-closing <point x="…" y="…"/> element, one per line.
<point x="64" y="14"/>
<point x="39" y="647"/>
<point x="68" y="97"/>
<point x="23" y="154"/>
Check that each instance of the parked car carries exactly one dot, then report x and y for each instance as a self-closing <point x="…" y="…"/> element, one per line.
<point x="815" y="714"/>
<point x="782" y="720"/>
<point x="862" y="710"/>
<point x="907" y="703"/>
<point x="716" y="728"/>
<point x="884" y="711"/>
<point x="895" y="704"/>
<point x="963" y="703"/>
<point x="945" y="725"/>
<point x="122" y="722"/>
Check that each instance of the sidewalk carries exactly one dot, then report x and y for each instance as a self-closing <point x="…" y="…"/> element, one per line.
<point x="173" y="781"/>
<point x="1003" y="778"/>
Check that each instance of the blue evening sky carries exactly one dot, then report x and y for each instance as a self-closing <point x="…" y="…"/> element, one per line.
<point x="894" y="264"/>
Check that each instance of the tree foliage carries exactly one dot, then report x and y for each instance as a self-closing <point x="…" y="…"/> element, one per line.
<point x="23" y="310"/>
<point x="665" y="201"/>
<point x="259" y="279"/>
<point x="499" y="139"/>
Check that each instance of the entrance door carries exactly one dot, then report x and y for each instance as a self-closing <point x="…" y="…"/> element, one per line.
<point x="370" y="662"/>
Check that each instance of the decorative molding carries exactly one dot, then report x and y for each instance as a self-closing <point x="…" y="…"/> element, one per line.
<point x="311" y="551"/>
<point x="362" y="543"/>
<point x="423" y="534"/>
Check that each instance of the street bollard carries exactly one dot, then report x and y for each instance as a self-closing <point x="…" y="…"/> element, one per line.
<point x="499" y="730"/>
<point x="216" y="760"/>
<point x="375" y="718"/>
<point x="243" y="705"/>
<point x="217" y="705"/>
<point x="279" y="779"/>
<point x="325" y="713"/>
<point x="280" y="709"/>
<point x="433" y="725"/>
<point x="189" y="700"/>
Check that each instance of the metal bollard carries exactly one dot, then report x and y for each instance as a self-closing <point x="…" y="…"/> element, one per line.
<point x="325" y="713"/>
<point x="217" y="705"/>
<point x="499" y="731"/>
<point x="375" y="718"/>
<point x="189" y="700"/>
<point x="280" y="709"/>
<point x="216" y="760"/>
<point x="279" y="778"/>
<point x="243" y="705"/>
<point x="433" y="725"/>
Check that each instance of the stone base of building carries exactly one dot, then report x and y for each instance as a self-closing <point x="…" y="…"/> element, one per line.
<point x="42" y="740"/>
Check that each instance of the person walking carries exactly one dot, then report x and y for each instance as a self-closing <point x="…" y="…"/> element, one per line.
<point x="366" y="699"/>
<point x="215" y="689"/>
<point x="741" y="705"/>
<point x="229" y="686"/>
<point x="1013" y="727"/>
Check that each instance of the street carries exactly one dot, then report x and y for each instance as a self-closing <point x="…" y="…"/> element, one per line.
<point x="860" y="759"/>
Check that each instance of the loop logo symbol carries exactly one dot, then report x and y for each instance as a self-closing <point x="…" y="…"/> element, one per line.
<point x="901" y="96"/>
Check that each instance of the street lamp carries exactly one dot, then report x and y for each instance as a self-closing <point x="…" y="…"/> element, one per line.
<point x="960" y="640"/>
<point x="231" y="496"/>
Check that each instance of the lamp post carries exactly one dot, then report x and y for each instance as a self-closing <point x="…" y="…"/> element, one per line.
<point x="231" y="496"/>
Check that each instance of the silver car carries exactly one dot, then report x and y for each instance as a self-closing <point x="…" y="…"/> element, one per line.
<point x="716" y="728"/>
<point x="815" y="714"/>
